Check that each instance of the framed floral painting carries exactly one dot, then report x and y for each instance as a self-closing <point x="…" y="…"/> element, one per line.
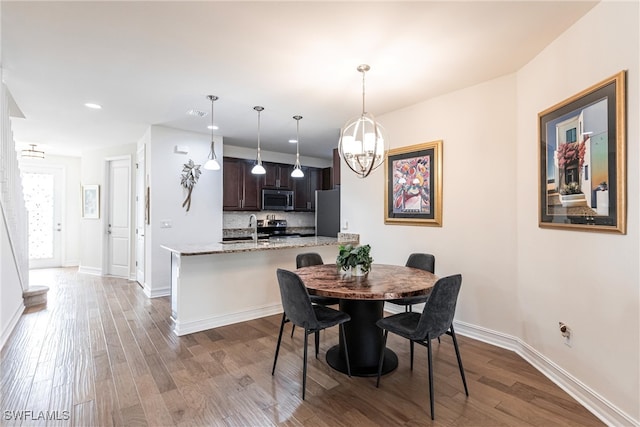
<point x="582" y="160"/>
<point x="413" y="189"/>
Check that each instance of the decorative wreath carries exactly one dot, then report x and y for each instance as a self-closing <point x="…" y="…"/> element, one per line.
<point x="190" y="174"/>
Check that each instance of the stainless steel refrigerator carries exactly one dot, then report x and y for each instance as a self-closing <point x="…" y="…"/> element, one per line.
<point x="328" y="213"/>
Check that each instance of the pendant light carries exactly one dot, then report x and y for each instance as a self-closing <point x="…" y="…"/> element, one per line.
<point x="212" y="164"/>
<point x="258" y="169"/>
<point x="32" y="152"/>
<point x="297" y="169"/>
<point x="363" y="141"/>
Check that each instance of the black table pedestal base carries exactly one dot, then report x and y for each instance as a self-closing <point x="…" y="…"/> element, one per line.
<point x="339" y="364"/>
<point x="364" y="340"/>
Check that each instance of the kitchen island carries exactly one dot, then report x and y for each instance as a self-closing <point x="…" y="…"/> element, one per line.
<point x="218" y="284"/>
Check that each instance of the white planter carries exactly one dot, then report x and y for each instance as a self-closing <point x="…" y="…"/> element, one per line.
<point x="357" y="271"/>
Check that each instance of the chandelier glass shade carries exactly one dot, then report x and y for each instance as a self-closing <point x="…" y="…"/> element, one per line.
<point x="212" y="162"/>
<point x="363" y="140"/>
<point x="258" y="169"/>
<point x="297" y="169"/>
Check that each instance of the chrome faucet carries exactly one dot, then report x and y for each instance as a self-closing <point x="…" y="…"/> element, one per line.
<point x="254" y="220"/>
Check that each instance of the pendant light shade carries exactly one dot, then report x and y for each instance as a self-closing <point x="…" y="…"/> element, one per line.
<point x="363" y="141"/>
<point x="297" y="169"/>
<point x="212" y="162"/>
<point x="258" y="169"/>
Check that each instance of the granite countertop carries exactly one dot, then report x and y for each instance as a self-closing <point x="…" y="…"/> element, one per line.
<point x="250" y="246"/>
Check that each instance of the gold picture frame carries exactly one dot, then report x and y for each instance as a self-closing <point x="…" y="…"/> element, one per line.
<point x="413" y="185"/>
<point x="582" y="160"/>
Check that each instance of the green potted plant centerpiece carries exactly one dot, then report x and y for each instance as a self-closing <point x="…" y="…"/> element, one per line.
<point x="354" y="259"/>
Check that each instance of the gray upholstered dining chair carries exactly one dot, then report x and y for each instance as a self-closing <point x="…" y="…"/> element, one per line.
<point x="436" y="320"/>
<point x="313" y="318"/>
<point x="422" y="261"/>
<point x="305" y="260"/>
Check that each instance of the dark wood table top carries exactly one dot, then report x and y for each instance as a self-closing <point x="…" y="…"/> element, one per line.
<point x="383" y="282"/>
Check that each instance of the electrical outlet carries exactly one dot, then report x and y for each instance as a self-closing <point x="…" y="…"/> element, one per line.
<point x="566" y="333"/>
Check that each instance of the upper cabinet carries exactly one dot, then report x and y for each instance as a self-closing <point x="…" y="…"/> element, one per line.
<point x="277" y="176"/>
<point x="305" y="189"/>
<point x="241" y="190"/>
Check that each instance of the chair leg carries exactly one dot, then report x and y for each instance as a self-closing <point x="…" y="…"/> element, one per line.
<point x="411" y="347"/>
<point x="455" y="345"/>
<point x="275" y="359"/>
<point x="346" y="350"/>
<point x="384" y="345"/>
<point x="429" y="357"/>
<point x="293" y="329"/>
<point x="317" y="342"/>
<point x="304" y="365"/>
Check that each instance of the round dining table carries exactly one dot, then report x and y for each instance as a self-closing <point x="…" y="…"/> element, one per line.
<point x="363" y="297"/>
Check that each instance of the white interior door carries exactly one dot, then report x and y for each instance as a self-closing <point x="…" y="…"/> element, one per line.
<point x="140" y="216"/>
<point x="119" y="218"/>
<point x="43" y="192"/>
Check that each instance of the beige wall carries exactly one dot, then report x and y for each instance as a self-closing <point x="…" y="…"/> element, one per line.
<point x="594" y="285"/>
<point x="515" y="287"/>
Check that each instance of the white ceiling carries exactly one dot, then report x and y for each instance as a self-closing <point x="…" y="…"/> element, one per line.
<point x="149" y="62"/>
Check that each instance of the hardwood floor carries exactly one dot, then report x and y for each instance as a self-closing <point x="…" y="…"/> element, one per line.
<point x="103" y="354"/>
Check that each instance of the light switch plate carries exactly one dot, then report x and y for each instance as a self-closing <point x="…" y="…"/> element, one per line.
<point x="165" y="223"/>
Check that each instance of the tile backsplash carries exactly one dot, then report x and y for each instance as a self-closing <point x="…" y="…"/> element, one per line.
<point x="294" y="219"/>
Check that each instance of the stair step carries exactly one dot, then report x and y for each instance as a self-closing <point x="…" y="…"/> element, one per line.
<point x="35" y="295"/>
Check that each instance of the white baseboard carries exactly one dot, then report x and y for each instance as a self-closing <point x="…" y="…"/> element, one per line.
<point x="156" y="293"/>
<point x="94" y="271"/>
<point x="184" y="328"/>
<point x="71" y="263"/>
<point x="11" y="325"/>
<point x="591" y="400"/>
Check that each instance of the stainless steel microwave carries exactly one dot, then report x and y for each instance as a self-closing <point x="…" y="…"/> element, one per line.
<point x="277" y="200"/>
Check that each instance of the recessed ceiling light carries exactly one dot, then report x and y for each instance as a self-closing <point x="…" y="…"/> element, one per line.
<point x="197" y="113"/>
<point x="293" y="141"/>
<point x="212" y="127"/>
<point x="93" y="106"/>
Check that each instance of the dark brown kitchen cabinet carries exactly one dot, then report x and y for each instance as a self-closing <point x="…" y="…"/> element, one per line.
<point x="241" y="190"/>
<point x="277" y="176"/>
<point x="305" y="189"/>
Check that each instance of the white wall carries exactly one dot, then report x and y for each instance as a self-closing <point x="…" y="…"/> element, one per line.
<point x="514" y="285"/>
<point x="72" y="200"/>
<point x="477" y="238"/>
<point x="594" y="286"/>
<point x="203" y="222"/>
<point x="93" y="231"/>
<point x="271" y="156"/>
<point x="11" y="303"/>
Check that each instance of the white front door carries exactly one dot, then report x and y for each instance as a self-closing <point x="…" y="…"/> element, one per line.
<point x="42" y="186"/>
<point x="140" y="216"/>
<point x="119" y="217"/>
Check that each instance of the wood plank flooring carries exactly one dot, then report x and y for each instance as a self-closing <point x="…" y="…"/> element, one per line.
<point x="102" y="354"/>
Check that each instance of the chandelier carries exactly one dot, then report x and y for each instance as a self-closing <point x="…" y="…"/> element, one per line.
<point x="363" y="141"/>
<point x="32" y="152"/>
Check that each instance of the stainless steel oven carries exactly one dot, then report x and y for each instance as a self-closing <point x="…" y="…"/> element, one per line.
<point x="277" y="200"/>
